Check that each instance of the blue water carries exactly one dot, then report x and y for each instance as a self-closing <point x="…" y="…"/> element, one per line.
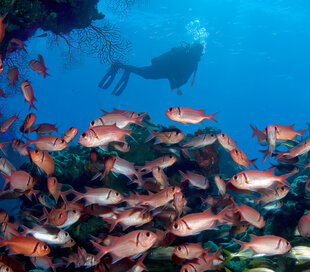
<point x="254" y="70"/>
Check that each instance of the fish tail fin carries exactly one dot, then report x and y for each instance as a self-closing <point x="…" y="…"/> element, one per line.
<point x="102" y="250"/>
<point x="138" y="175"/>
<point x="45" y="73"/>
<point x="140" y="264"/>
<point x="29" y="140"/>
<point x="252" y="162"/>
<point x="32" y="105"/>
<point x="2" y="242"/>
<point x="153" y="134"/>
<point x="300" y="132"/>
<point x="280" y="154"/>
<point x="7" y="179"/>
<point x="78" y="195"/>
<point x="113" y="222"/>
<point x="3" y="16"/>
<point x="137" y="120"/>
<point x="45" y="216"/>
<point x="254" y="131"/>
<point x="243" y="244"/>
<point x="265" y="152"/>
<point x="1" y="147"/>
<point x="282" y="178"/>
<point x="211" y="117"/>
<point x="220" y="215"/>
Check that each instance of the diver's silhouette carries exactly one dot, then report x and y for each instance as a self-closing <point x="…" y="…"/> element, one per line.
<point x="177" y="66"/>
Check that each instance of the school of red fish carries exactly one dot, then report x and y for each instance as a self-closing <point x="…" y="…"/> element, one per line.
<point x="162" y="201"/>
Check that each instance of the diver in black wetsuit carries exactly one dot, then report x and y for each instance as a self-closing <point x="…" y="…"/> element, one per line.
<point x="177" y="66"/>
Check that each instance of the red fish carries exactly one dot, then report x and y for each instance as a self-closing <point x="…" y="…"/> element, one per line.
<point x="2" y="27"/>
<point x="102" y="136"/>
<point x="192" y="224"/>
<point x="286" y="132"/>
<point x="300" y="149"/>
<point x="44" y="128"/>
<point x="19" y="180"/>
<point x="161" y="198"/>
<point x="169" y="136"/>
<point x="160" y="176"/>
<point x="195" y="179"/>
<point x="20" y="43"/>
<point x="120" y="120"/>
<point x="20" y="147"/>
<point x="254" y="180"/>
<point x="43" y="160"/>
<point x="226" y="142"/>
<point x="103" y="196"/>
<point x="240" y="158"/>
<point x="267" y="245"/>
<point x="190" y="251"/>
<point x="49" y="143"/>
<point x="187" y="115"/>
<point x="162" y="162"/>
<point x="131" y="217"/>
<point x="54" y="187"/>
<point x="251" y="215"/>
<point x="220" y="184"/>
<point x="28" y="93"/>
<point x="70" y="134"/>
<point x="28" y="123"/>
<point x="7" y="123"/>
<point x="128" y="245"/>
<point x="261" y="136"/>
<point x="39" y="66"/>
<point x="26" y="245"/>
<point x="2" y="94"/>
<point x="4" y="217"/>
<point x="303" y="226"/>
<point x="13" y="75"/>
<point x="179" y="202"/>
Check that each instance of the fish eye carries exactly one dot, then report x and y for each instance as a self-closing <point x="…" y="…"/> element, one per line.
<point x="62" y="141"/>
<point x="173" y="188"/>
<point x="45" y="247"/>
<point x="117" y="193"/>
<point x="92" y="122"/>
<point x="36" y="151"/>
<point x="179" y="248"/>
<point x="84" y="135"/>
<point x="175" y="226"/>
<point x="148" y="234"/>
<point x="74" y="211"/>
<point x="170" y="156"/>
<point x="170" y="109"/>
<point x="235" y="177"/>
<point x="66" y="234"/>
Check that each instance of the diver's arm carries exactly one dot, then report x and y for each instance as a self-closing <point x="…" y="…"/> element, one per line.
<point x="194" y="77"/>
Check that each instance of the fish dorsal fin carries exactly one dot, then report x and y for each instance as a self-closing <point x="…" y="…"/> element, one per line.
<point x="41" y="60"/>
<point x="270" y="170"/>
<point x="105" y="112"/>
<point x="253" y="236"/>
<point x="291" y="125"/>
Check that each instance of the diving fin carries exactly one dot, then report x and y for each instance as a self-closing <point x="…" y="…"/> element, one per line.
<point x="121" y="85"/>
<point x="107" y="80"/>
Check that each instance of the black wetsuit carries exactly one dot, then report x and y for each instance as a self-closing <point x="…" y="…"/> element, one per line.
<point x="177" y="66"/>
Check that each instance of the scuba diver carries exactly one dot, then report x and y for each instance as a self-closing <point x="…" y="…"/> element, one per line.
<point x="176" y="65"/>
